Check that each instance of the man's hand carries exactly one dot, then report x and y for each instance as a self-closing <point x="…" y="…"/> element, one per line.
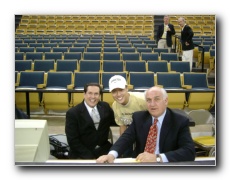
<point x="106" y="159"/>
<point x="146" y="157"/>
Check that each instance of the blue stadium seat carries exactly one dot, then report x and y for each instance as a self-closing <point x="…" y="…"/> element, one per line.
<point x="67" y="65"/>
<point x="157" y="66"/>
<point x="135" y="66"/>
<point x="141" y="80"/>
<point x="112" y="66"/>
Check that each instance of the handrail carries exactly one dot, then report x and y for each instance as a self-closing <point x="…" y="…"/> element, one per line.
<point x="202" y="62"/>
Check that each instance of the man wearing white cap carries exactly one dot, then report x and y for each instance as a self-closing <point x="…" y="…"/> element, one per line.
<point x="125" y="104"/>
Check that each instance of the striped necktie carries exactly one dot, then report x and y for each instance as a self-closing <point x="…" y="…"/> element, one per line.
<point x="152" y="138"/>
<point x="96" y="117"/>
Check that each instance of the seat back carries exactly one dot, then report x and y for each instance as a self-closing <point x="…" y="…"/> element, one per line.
<point x="67" y="65"/>
<point x="196" y="80"/>
<point x="169" y="56"/>
<point x="180" y="66"/>
<point x="90" y="65"/>
<point x="157" y="66"/>
<point x="23" y="65"/>
<point x="130" y="56"/>
<point x="135" y="66"/>
<point x="92" y="56"/>
<point x="73" y="55"/>
<point x="44" y="65"/>
<point x="58" y="79"/>
<point x="82" y="78"/>
<point x="112" y="66"/>
<point x="53" y="55"/>
<point x="111" y="56"/>
<point x="31" y="79"/>
<point x="34" y="55"/>
<point x="160" y="50"/>
<point x="149" y="56"/>
<point x="19" y="56"/>
<point x="141" y="80"/>
<point x="169" y="80"/>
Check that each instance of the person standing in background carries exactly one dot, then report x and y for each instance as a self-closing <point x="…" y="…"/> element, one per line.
<point x="186" y="41"/>
<point x="164" y="34"/>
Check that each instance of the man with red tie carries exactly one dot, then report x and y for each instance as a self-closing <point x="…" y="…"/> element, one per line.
<point x="173" y="141"/>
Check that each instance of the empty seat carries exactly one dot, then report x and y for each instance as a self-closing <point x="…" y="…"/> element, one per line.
<point x="169" y="56"/>
<point x="149" y="56"/>
<point x="141" y="80"/>
<point x="93" y="49"/>
<point x="135" y="66"/>
<point x="53" y="55"/>
<point x="67" y="65"/>
<point x="90" y="65"/>
<point x="23" y="65"/>
<point x="142" y="50"/>
<point x="91" y="55"/>
<point x="110" y="49"/>
<point x="35" y="44"/>
<point x="26" y="49"/>
<point x="60" y="49"/>
<point x="111" y="56"/>
<point x="19" y="56"/>
<point x="77" y="49"/>
<point x="199" y="100"/>
<point x="180" y="66"/>
<point x="157" y="66"/>
<point x="43" y="49"/>
<point x="112" y="66"/>
<point x="127" y="49"/>
<point x="73" y="55"/>
<point x="50" y="44"/>
<point x="130" y="56"/>
<point x="172" y="81"/>
<point x="68" y="45"/>
<point x="44" y="65"/>
<point x="34" y="55"/>
<point x="58" y="101"/>
<point x="29" y="80"/>
<point x="160" y="50"/>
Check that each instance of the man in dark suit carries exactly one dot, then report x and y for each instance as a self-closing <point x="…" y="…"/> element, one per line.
<point x="88" y="124"/>
<point x="186" y="41"/>
<point x="174" y="141"/>
<point x="164" y="34"/>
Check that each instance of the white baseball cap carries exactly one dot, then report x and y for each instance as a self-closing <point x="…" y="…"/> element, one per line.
<point x="117" y="81"/>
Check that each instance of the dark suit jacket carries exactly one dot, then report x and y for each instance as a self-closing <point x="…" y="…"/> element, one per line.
<point x="160" y="32"/>
<point x="186" y="36"/>
<point x="175" y="138"/>
<point x="83" y="137"/>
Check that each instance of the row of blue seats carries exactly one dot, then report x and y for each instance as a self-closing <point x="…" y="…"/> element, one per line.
<point x="68" y="80"/>
<point x="79" y="79"/>
<point x="159" y="54"/>
<point x="104" y="66"/>
<point x="122" y="40"/>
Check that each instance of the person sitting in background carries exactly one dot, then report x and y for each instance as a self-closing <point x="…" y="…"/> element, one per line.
<point x="125" y="104"/>
<point x="88" y="124"/>
<point x="172" y="140"/>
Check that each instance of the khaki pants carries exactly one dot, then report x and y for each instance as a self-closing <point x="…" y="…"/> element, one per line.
<point x="188" y="56"/>
<point x="163" y="44"/>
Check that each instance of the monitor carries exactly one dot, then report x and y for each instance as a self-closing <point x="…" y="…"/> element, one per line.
<point x="31" y="140"/>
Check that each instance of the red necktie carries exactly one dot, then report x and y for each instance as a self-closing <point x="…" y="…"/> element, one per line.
<point x="152" y="138"/>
